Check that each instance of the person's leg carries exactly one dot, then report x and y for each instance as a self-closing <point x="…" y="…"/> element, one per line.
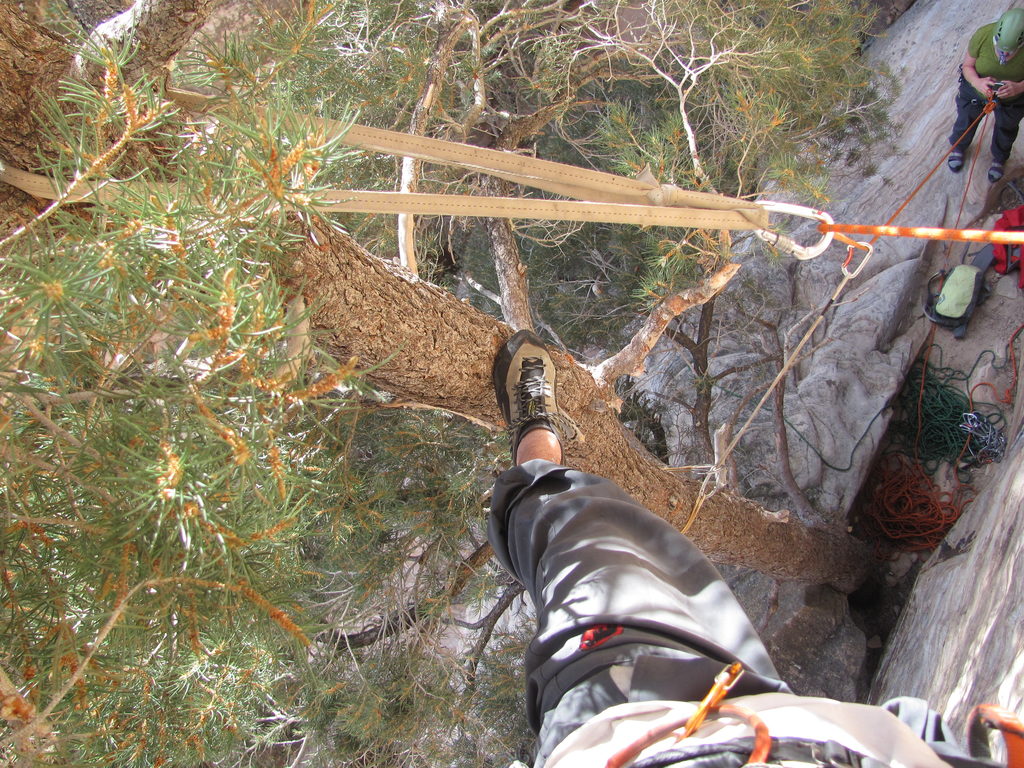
<point x="968" y="108"/>
<point x="1007" y="125"/>
<point x="539" y="444"/>
<point x="614" y="586"/>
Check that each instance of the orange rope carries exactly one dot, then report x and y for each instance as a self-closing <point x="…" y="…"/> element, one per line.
<point x="970" y="172"/>
<point x="927" y="233"/>
<point x="908" y="508"/>
<point x="1008" y="395"/>
<point x="905" y="506"/>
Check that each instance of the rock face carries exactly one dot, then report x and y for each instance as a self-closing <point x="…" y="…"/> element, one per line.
<point x="955" y="646"/>
<point x="808" y="632"/>
<point x="960" y="640"/>
<point x="848" y="382"/>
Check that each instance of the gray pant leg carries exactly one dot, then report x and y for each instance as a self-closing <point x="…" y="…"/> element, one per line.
<point x="589" y="554"/>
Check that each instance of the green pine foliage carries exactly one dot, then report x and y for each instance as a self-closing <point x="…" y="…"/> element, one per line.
<point x="160" y="442"/>
<point x="182" y="486"/>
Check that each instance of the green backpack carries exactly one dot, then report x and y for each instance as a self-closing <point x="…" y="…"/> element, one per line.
<point x="963" y="289"/>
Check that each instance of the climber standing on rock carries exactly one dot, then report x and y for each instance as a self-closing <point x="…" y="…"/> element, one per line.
<point x="992" y="69"/>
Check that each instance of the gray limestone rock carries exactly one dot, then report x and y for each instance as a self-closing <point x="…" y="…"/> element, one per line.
<point x="816" y="647"/>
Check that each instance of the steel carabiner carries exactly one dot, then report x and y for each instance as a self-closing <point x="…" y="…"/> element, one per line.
<point x="788" y="244"/>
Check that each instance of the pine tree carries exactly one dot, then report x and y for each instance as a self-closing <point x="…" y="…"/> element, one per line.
<point x="224" y="541"/>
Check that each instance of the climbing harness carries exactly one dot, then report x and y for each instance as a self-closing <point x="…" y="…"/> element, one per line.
<point x="685" y="727"/>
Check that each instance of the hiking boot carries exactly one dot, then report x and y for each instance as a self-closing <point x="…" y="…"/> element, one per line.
<point x="524" y="384"/>
<point x="995" y="172"/>
<point x="955" y="161"/>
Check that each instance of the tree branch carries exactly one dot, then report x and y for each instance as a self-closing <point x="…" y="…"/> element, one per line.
<point x="403" y="618"/>
<point x="156" y="29"/>
<point x="629" y="361"/>
<point x="390" y="625"/>
<point x="796" y="495"/>
<point x="512" y="591"/>
<point x="91" y="13"/>
<point x="512" y="285"/>
<point x="801" y="503"/>
<point x="422" y="343"/>
<point x="436" y="69"/>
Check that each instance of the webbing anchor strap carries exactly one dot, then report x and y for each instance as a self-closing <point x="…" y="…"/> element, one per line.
<point x="595" y="195"/>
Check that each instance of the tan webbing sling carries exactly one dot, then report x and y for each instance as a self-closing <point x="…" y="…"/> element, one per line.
<point x="596" y="196"/>
<point x="617" y="197"/>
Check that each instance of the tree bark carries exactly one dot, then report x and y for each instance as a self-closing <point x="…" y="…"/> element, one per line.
<point x="32" y="61"/>
<point x="630" y="360"/>
<point x="91" y="13"/>
<point x="424" y="344"/>
<point x="700" y="411"/>
<point x="433" y="82"/>
<point x="156" y="30"/>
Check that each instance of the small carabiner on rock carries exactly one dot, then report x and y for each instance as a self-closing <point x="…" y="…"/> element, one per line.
<point x="788" y="244"/>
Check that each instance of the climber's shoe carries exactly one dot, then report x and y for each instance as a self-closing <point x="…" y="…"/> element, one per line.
<point x="524" y="384"/>
<point x="955" y="161"/>
<point x="995" y="172"/>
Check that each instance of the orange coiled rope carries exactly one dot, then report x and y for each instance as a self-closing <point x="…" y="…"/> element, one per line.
<point x="908" y="508"/>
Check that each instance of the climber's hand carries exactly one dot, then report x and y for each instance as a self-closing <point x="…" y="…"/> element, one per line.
<point x="1009" y="90"/>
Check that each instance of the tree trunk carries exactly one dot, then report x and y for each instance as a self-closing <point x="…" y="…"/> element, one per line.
<point x="32" y="60"/>
<point x="512" y="286"/>
<point x="425" y="345"/>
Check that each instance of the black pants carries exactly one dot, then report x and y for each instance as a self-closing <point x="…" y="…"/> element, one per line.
<point x="1007" y="122"/>
<point x="592" y="557"/>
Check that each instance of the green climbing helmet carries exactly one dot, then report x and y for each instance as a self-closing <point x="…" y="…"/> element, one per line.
<point x="1009" y="34"/>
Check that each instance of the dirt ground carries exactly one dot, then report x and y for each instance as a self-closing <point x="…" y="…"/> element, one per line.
<point x="996" y="320"/>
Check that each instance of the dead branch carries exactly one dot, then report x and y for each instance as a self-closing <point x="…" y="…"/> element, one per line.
<point x="432" y="85"/>
<point x="629" y="361"/>
<point x="488" y="623"/>
<point x="512" y="285"/>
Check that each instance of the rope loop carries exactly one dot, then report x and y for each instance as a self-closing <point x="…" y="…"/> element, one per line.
<point x="787" y="244"/>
